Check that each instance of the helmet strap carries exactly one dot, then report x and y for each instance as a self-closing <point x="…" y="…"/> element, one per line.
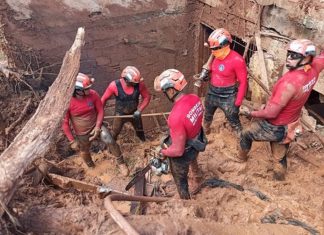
<point x="172" y="99"/>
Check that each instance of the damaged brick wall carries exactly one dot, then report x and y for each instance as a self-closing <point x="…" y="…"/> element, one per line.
<point x="151" y="35"/>
<point x="289" y="19"/>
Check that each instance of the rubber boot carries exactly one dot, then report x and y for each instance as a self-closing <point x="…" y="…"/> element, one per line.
<point x="206" y="127"/>
<point x="196" y="178"/>
<point x="280" y="169"/>
<point x="87" y="159"/>
<point x="243" y="155"/>
<point x="122" y="166"/>
<point x="238" y="131"/>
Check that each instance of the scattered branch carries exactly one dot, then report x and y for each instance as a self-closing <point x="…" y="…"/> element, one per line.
<point x="18" y="77"/>
<point x="22" y="115"/>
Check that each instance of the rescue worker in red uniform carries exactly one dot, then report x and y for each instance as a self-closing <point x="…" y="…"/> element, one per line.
<point x="279" y="121"/>
<point x="127" y="91"/>
<point x="228" y="81"/>
<point x="186" y="137"/>
<point x="85" y="114"/>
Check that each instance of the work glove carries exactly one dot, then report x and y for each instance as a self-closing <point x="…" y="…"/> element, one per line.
<point x="159" y="153"/>
<point x="74" y="144"/>
<point x="204" y="75"/>
<point x="137" y="114"/>
<point x="94" y="133"/>
<point x="245" y="111"/>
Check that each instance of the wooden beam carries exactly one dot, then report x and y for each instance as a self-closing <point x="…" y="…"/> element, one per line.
<point x="139" y="188"/>
<point x="66" y="183"/>
<point x="263" y="69"/>
<point x="36" y="137"/>
<point x="143" y="115"/>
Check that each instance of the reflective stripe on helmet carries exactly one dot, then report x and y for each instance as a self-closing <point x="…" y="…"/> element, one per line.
<point x="131" y="74"/>
<point x="304" y="47"/>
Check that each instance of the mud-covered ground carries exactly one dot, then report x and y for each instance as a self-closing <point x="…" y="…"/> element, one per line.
<point x="298" y="200"/>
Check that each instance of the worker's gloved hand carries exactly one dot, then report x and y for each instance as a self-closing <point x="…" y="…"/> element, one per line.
<point x="94" y="133"/>
<point x="137" y="114"/>
<point x="204" y="75"/>
<point x="74" y="144"/>
<point x="161" y="155"/>
<point x="159" y="166"/>
<point x="245" y="111"/>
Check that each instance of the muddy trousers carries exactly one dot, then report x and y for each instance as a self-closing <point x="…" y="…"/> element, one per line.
<point x="85" y="149"/>
<point x="115" y="150"/>
<point x="223" y="98"/>
<point x="118" y="124"/>
<point x="180" y="169"/>
<point x="262" y="130"/>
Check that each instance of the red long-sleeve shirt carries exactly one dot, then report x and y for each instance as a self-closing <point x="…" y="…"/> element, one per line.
<point x="290" y="93"/>
<point x="185" y="121"/>
<point x="112" y="90"/>
<point x="228" y="72"/>
<point x="84" y="113"/>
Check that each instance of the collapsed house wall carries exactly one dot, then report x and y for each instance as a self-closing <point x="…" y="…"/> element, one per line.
<point x="287" y="19"/>
<point x="152" y="35"/>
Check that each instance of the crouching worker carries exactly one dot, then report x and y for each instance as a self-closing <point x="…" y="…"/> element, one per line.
<point x="280" y="119"/>
<point x="186" y="137"/>
<point x="85" y="114"/>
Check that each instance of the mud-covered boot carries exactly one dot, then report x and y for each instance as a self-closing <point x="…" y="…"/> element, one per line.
<point x="280" y="169"/>
<point x="242" y="155"/>
<point x="206" y="127"/>
<point x="238" y="131"/>
<point x="87" y="159"/>
<point x="196" y="176"/>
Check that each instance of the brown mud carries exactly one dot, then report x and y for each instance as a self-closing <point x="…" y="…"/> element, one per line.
<point x="47" y="209"/>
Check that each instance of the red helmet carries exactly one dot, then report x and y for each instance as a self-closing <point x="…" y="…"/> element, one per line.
<point x="83" y="82"/>
<point x="170" y="78"/>
<point x="131" y="74"/>
<point x="304" y="47"/>
<point x="219" y="38"/>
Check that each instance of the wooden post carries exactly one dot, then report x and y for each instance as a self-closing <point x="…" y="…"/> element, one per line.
<point x="35" y="138"/>
<point x="264" y="76"/>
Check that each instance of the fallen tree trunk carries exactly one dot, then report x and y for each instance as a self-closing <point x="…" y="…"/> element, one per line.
<point x="35" y="138"/>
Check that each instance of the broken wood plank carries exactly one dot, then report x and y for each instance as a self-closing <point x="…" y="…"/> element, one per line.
<point x="139" y="188"/>
<point x="36" y="137"/>
<point x="263" y="69"/>
<point x="66" y="183"/>
<point x="275" y="36"/>
<point x="262" y="85"/>
<point x="246" y="50"/>
<point x="143" y="115"/>
<point x="118" y="218"/>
